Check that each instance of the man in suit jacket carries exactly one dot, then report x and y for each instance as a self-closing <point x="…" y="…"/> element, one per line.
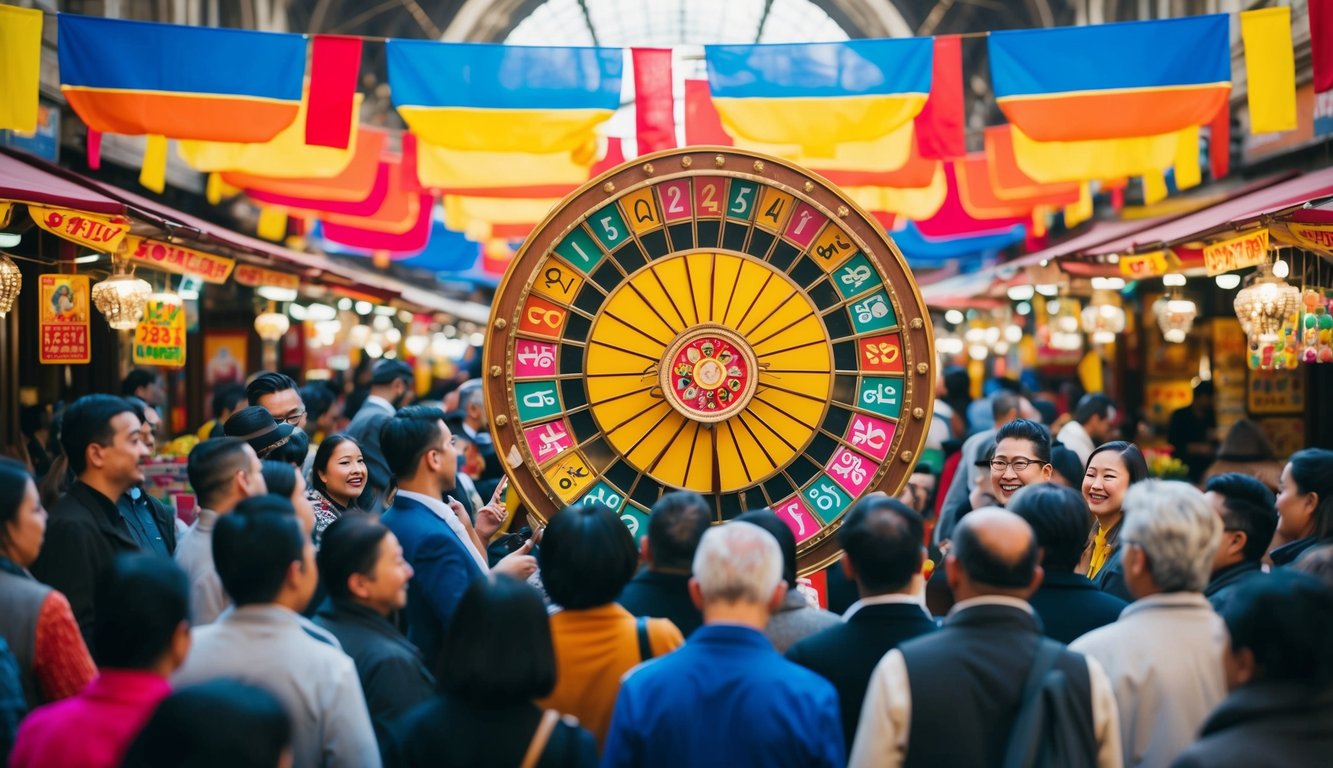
<point x="476" y="425"/>
<point x="391" y="387"/>
<point x="104" y="442"/>
<point x="440" y="547"/>
<point x="1068" y="604"/>
<point x="882" y="548"/>
<point x="952" y="697"/>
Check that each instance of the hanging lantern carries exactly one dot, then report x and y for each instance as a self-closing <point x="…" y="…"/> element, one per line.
<point x="271" y="325"/>
<point x="11" y="282"/>
<point x="1103" y="319"/>
<point x="1175" y="316"/>
<point x="1268" y="309"/>
<point x="121" y="298"/>
<point x="1317" y="326"/>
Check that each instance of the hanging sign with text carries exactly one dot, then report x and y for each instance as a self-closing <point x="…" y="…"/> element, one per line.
<point x="63" y="319"/>
<point x="248" y="274"/>
<point x="170" y="257"/>
<point x="1151" y="264"/>
<point x="160" y="337"/>
<point x="100" y="233"/>
<point x="1230" y="255"/>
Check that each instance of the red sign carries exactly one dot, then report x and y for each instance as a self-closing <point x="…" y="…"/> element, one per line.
<point x="63" y="319"/>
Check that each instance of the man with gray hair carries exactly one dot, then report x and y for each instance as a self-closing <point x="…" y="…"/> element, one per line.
<point x="726" y="696"/>
<point x="1164" y="655"/>
<point x="476" y="425"/>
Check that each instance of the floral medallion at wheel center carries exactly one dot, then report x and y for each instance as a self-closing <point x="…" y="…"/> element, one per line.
<point x="708" y="373"/>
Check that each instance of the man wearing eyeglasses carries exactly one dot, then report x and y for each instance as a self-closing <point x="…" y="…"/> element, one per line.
<point x="278" y="394"/>
<point x="1022" y="457"/>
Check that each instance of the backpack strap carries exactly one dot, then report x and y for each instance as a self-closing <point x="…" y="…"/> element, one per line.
<point x="1043" y="660"/>
<point x="539" y="738"/>
<point x="645" y="647"/>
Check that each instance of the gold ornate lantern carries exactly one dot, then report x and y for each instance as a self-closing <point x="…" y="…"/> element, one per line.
<point x="121" y="299"/>
<point x="11" y="282"/>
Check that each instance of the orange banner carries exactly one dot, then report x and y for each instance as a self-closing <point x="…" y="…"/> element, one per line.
<point x="1229" y="255"/>
<point x="1144" y="265"/>
<point x="63" y="319"/>
<point x="100" y="233"/>
<point x="248" y="274"/>
<point x="180" y="260"/>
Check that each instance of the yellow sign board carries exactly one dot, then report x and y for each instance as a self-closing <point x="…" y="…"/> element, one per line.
<point x="1248" y="250"/>
<point x="180" y="260"/>
<point x="1145" y="265"/>
<point x="100" y="233"/>
<point x="248" y="274"/>
<point x="160" y="337"/>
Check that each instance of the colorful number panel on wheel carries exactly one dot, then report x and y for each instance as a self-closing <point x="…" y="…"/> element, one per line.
<point x="715" y="321"/>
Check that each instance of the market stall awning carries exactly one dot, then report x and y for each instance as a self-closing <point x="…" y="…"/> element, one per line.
<point x="1237" y="211"/>
<point x="28" y="182"/>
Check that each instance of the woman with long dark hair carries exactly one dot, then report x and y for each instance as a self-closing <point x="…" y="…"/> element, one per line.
<point x="1304" y="504"/>
<point x="1112" y="468"/>
<point x="337" y="479"/>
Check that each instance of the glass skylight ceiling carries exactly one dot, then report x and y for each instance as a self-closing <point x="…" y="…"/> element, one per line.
<point x="647" y="23"/>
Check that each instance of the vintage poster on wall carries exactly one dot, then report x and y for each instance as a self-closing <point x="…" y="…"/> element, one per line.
<point x="160" y="337"/>
<point x="63" y="320"/>
<point x="1281" y="391"/>
<point x="224" y="358"/>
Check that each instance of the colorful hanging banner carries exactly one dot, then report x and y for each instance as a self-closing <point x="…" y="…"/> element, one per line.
<point x="1008" y="180"/>
<point x="335" y="64"/>
<point x="354" y="184"/>
<point x="1144" y="265"/>
<point x="502" y="98"/>
<point x="1270" y="69"/>
<point x="249" y="274"/>
<point x="654" y="107"/>
<point x="413" y="238"/>
<point x="940" y="125"/>
<point x="159" y="339"/>
<point x="1063" y="161"/>
<point x="287" y="156"/>
<point x="20" y="67"/>
<point x="179" y="81"/>
<point x="1321" y="44"/>
<point x="857" y="91"/>
<point x="1106" y="81"/>
<point x="1315" y="237"/>
<point x="177" y="259"/>
<point x="63" y="319"/>
<point x="1248" y="250"/>
<point x="100" y="233"/>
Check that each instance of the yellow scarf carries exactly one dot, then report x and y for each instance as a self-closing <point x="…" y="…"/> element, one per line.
<point x="1100" y="551"/>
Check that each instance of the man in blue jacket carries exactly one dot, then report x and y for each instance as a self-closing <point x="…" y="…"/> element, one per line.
<point x="439" y="543"/>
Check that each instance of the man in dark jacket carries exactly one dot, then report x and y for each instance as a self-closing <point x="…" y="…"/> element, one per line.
<point x="662" y="589"/>
<point x="1281" y="679"/>
<point x="882" y="542"/>
<point x="1068" y="604"/>
<point x="104" y="442"/>
<point x="363" y="570"/>
<point x="1249" y="518"/>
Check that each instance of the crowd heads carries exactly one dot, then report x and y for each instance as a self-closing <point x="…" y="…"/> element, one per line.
<point x="739" y="563"/>
<point x="994" y="552"/>
<point x="882" y="540"/>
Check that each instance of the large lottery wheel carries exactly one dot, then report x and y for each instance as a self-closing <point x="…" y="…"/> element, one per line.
<point x="713" y="320"/>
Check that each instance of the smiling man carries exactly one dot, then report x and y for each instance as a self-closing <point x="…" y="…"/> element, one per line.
<point x="1022" y="457"/>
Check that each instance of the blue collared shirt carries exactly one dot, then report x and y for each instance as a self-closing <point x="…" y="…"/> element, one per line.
<point x="725" y="698"/>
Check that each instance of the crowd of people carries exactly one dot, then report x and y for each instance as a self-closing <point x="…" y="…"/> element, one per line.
<point x="353" y="591"/>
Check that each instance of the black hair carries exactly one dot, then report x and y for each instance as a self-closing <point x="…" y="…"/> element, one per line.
<point x="255" y="545"/>
<point x="31" y="419"/>
<point x="389" y="371"/>
<point x="1031" y="431"/>
<point x="1004" y="402"/>
<point x="1318" y="562"/>
<point x="884" y="538"/>
<point x="1067" y="464"/>
<point x="1047" y="411"/>
<point x="1093" y="404"/>
<point x="764" y="518"/>
<point x="268" y="383"/>
<point x="14" y="479"/>
<point x="678" y="521"/>
<point x="406" y="436"/>
<point x="218" y="724"/>
<point x="351" y="544"/>
<point x="279" y="477"/>
<point x="135" y="379"/>
<point x="141" y="601"/>
<point x="322" y="456"/>
<point x="294" y="450"/>
<point x="212" y="464"/>
<point x="1059" y="518"/>
<point x="1312" y="472"/>
<point x="587" y="556"/>
<point x="984" y="567"/>
<point x="498" y="647"/>
<point x="88" y="421"/>
<point x="1285" y="620"/>
<point x="226" y="398"/>
<point x="1130" y="456"/>
<point x="317" y="398"/>
<point x="1203" y="388"/>
<point x="1248" y="506"/>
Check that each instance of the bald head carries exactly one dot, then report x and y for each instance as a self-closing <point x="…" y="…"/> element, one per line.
<point x="994" y="553"/>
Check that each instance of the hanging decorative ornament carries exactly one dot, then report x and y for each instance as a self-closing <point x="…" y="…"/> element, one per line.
<point x="121" y="298"/>
<point x="1317" y="326"/>
<point x="1104" y="318"/>
<point x="1175" y="316"/>
<point x="1268" y="310"/>
<point x="11" y="282"/>
<point x="271" y="325"/>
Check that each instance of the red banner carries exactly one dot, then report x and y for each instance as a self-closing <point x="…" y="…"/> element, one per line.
<point x="654" y="109"/>
<point x="939" y="126"/>
<point x="335" y="63"/>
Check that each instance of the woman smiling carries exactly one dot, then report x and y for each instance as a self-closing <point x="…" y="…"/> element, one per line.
<point x="1112" y="468"/>
<point x="337" y="478"/>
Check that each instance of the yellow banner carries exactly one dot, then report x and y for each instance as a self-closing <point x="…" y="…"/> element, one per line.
<point x="63" y="319"/>
<point x="177" y="259"/>
<point x="1151" y="264"/>
<point x="1229" y="255"/>
<point x="1315" y="237"/>
<point x="6" y="210"/>
<point x="248" y="274"/>
<point x="1270" y="69"/>
<point x="100" y="233"/>
<point x="160" y="337"/>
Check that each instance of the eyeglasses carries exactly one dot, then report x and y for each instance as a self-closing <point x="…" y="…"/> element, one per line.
<point x="294" y="418"/>
<point x="1019" y="464"/>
